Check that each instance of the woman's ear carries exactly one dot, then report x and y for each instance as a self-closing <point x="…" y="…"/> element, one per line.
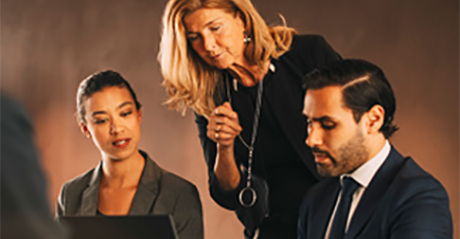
<point x="85" y="131"/>
<point x="375" y="118"/>
<point x="140" y="115"/>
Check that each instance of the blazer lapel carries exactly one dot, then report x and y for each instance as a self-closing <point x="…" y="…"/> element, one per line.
<point x="287" y="104"/>
<point x="375" y="192"/>
<point x="148" y="189"/>
<point x="322" y="213"/>
<point x="90" y="195"/>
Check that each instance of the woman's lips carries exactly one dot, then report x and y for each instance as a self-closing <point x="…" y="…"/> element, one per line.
<point x="121" y="143"/>
<point x="215" y="57"/>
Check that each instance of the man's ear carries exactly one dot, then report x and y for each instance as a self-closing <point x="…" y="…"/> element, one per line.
<point x="85" y="131"/>
<point x="375" y="118"/>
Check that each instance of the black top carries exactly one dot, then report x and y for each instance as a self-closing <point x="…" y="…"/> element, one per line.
<point x="281" y="156"/>
<point x="274" y="158"/>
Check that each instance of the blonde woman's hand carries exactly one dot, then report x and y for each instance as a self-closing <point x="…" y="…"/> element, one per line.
<point x="223" y="126"/>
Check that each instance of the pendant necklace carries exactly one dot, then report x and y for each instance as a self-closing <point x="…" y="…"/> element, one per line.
<point x="250" y="147"/>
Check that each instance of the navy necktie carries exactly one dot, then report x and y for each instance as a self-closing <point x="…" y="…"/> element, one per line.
<point x="349" y="186"/>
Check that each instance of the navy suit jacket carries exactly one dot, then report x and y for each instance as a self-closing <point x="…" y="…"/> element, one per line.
<point x="402" y="201"/>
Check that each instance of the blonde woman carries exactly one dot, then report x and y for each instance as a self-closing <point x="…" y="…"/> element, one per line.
<point x="243" y="80"/>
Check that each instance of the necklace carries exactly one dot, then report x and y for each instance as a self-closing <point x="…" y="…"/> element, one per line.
<point x="249" y="189"/>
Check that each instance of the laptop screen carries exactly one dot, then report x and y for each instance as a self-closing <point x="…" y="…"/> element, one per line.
<point x="120" y="227"/>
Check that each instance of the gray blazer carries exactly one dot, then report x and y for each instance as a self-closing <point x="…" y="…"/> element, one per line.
<point x="159" y="192"/>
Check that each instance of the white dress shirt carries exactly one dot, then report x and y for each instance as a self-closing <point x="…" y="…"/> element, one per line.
<point x="363" y="176"/>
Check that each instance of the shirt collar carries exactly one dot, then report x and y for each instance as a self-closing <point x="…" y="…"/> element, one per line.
<point x="364" y="174"/>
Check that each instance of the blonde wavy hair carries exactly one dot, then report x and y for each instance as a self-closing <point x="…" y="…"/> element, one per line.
<point x="188" y="79"/>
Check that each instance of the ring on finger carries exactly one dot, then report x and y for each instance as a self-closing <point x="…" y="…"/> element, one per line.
<point x="217" y="135"/>
<point x="217" y="128"/>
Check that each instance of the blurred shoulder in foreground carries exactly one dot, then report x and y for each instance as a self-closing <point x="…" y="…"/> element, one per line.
<point x="25" y="212"/>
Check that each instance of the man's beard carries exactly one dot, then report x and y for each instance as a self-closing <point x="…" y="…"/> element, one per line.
<point x="350" y="156"/>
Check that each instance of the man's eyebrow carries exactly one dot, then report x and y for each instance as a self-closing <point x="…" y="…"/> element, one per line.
<point x="322" y="118"/>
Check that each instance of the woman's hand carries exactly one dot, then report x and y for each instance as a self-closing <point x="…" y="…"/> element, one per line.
<point x="223" y="125"/>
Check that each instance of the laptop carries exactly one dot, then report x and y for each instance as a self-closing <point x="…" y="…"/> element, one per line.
<point x="120" y="227"/>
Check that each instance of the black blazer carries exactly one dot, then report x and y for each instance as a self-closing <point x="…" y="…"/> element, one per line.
<point x="25" y="212"/>
<point x="306" y="53"/>
<point x="159" y="192"/>
<point x="402" y="201"/>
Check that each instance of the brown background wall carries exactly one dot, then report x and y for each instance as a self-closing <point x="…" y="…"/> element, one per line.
<point x="48" y="46"/>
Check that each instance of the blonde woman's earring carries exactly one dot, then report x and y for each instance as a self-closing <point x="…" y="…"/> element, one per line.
<point x="246" y="38"/>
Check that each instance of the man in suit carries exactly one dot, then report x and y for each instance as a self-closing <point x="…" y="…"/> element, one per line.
<point x="372" y="191"/>
<point x="25" y="212"/>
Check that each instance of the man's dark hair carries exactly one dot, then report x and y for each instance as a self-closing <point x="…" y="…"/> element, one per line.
<point x="97" y="82"/>
<point x="364" y="85"/>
